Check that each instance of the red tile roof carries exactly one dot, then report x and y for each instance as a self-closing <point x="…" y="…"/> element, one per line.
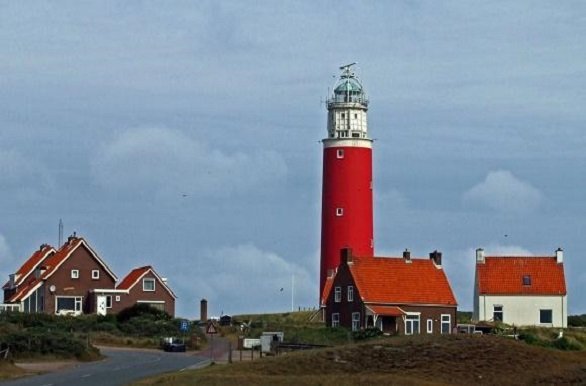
<point x="386" y="310"/>
<point x="327" y="288"/>
<point x="31" y="264"/>
<point x="136" y="274"/>
<point x="394" y="280"/>
<point x="503" y="275"/>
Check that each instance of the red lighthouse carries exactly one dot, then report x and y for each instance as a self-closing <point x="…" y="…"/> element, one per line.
<point x="347" y="211"/>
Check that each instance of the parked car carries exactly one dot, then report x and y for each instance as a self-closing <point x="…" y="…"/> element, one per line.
<point x="173" y="345"/>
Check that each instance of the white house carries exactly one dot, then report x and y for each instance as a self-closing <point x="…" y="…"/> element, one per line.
<point x="521" y="290"/>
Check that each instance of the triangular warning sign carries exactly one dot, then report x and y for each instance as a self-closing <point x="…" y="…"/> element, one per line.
<point x="211" y="329"/>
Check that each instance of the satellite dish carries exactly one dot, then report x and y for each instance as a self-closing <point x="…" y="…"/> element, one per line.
<point x="52" y="288"/>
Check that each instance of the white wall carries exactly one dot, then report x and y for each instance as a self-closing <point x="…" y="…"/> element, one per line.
<point x="524" y="310"/>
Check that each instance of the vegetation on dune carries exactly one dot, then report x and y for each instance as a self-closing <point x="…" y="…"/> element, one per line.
<point x="413" y="360"/>
<point x="53" y="336"/>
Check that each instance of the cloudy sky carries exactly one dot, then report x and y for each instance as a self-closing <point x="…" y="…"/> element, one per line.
<point x="186" y="135"/>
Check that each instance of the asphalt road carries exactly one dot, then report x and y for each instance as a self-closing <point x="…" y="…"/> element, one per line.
<point x="121" y="367"/>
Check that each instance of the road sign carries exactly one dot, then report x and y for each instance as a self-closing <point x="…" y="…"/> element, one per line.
<point x="184" y="326"/>
<point x="211" y="329"/>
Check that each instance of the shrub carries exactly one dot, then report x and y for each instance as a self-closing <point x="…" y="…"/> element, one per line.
<point x="371" y="332"/>
<point x="141" y="309"/>
<point x="566" y="344"/>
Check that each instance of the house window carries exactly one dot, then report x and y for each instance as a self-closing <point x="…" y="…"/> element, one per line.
<point x="68" y="304"/>
<point x="337" y="294"/>
<point x="340" y="153"/>
<point x="75" y="273"/>
<point x="335" y="320"/>
<point x="117" y="298"/>
<point x="95" y="274"/>
<point x="355" y="321"/>
<point x="429" y="326"/>
<point x="339" y="212"/>
<point x="545" y="316"/>
<point x="158" y="305"/>
<point x="497" y="314"/>
<point x="526" y="279"/>
<point x="411" y="324"/>
<point x="350" y="293"/>
<point x="108" y="301"/>
<point x="148" y="284"/>
<point x="446" y="324"/>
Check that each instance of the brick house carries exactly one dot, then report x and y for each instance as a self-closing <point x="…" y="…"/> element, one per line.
<point x="71" y="280"/>
<point x="521" y="290"/>
<point x="141" y="285"/>
<point x="396" y="295"/>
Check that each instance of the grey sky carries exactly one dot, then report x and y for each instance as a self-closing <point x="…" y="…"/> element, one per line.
<point x="112" y="111"/>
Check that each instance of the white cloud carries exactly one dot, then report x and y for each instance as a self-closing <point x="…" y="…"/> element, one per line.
<point x="241" y="279"/>
<point x="503" y="192"/>
<point x="167" y="161"/>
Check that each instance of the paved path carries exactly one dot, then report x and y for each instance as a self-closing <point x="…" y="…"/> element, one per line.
<point x="121" y="367"/>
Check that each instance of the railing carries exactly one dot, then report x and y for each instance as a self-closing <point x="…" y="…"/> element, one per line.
<point x="10" y="308"/>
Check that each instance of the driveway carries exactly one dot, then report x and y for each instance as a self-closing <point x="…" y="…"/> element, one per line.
<point x="121" y="367"/>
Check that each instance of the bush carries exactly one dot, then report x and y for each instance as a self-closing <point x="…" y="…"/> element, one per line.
<point x="371" y="332"/>
<point x="566" y="344"/>
<point x="141" y="309"/>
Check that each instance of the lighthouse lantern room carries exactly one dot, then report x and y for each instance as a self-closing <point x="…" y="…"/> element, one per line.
<point x="347" y="208"/>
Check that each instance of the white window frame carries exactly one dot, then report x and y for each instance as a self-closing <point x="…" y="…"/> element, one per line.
<point x="75" y="273"/>
<point x="502" y="312"/>
<point x="355" y="321"/>
<point x="444" y="322"/>
<point x="337" y="294"/>
<point x="340" y="153"/>
<point x="95" y="274"/>
<point x="350" y="293"/>
<point x="160" y="304"/>
<point x="117" y="298"/>
<point x="339" y="212"/>
<point x="77" y="304"/>
<point x="546" y="323"/>
<point x="144" y="281"/>
<point x="336" y="319"/>
<point x="409" y="319"/>
<point x="430" y="326"/>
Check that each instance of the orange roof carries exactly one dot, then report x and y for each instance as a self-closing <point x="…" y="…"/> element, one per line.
<point x="503" y="275"/>
<point x="136" y="274"/>
<point x="31" y="264"/>
<point x="327" y="288"/>
<point x="395" y="280"/>
<point x="386" y="310"/>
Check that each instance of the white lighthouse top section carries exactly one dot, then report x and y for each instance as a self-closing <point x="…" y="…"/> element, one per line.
<point x="347" y="107"/>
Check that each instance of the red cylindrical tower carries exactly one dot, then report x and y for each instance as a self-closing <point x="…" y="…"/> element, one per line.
<point x="347" y="209"/>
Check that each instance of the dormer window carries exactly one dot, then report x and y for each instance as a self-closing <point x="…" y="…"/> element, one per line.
<point x="527" y="280"/>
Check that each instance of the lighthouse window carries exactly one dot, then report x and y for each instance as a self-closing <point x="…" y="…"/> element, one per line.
<point x="343" y="115"/>
<point x="339" y="211"/>
<point x="340" y="153"/>
<point x="355" y="116"/>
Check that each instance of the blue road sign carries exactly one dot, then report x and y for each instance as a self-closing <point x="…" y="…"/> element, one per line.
<point x="184" y="326"/>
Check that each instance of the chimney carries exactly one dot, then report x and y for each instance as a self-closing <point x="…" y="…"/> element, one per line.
<point x="203" y="310"/>
<point x="480" y="256"/>
<point x="40" y="271"/>
<point x="346" y="255"/>
<point x="436" y="257"/>
<point x="331" y="273"/>
<point x="559" y="255"/>
<point x="407" y="255"/>
<point x="164" y="280"/>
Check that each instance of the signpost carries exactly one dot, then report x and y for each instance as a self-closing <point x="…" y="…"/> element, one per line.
<point x="211" y="330"/>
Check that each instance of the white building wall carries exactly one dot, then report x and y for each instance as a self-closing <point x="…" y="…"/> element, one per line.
<point x="523" y="310"/>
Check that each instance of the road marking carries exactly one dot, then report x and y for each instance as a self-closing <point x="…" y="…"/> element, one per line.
<point x="86" y="375"/>
<point x="48" y="384"/>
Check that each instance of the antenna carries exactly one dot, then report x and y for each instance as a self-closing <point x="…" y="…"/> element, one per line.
<point x="347" y="66"/>
<point x="60" y="233"/>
